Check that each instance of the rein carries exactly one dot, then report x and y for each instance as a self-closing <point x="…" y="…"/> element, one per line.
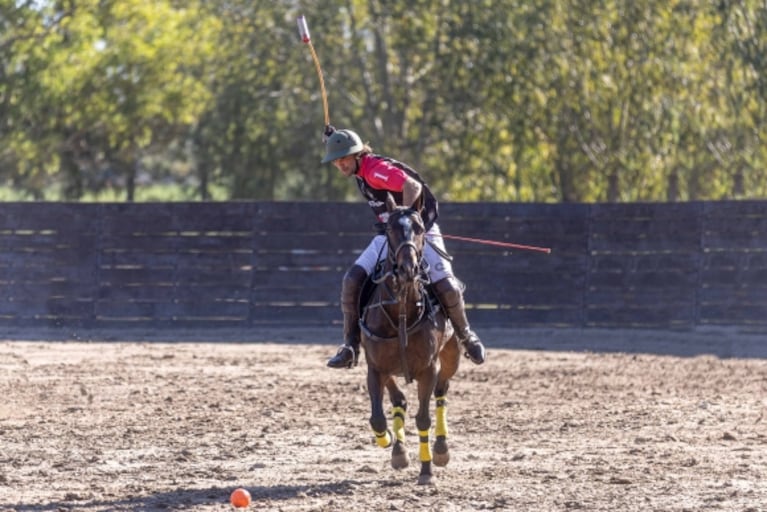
<point x="382" y="281"/>
<point x="402" y="332"/>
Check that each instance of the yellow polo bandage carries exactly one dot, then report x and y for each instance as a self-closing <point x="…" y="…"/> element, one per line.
<point x="440" y="429"/>
<point x="424" y="450"/>
<point x="383" y="439"/>
<point x="398" y="423"/>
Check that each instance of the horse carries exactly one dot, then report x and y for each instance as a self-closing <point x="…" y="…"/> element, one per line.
<point x="419" y="345"/>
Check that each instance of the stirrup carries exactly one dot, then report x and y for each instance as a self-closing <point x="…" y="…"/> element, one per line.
<point x="346" y="357"/>
<point x="475" y="350"/>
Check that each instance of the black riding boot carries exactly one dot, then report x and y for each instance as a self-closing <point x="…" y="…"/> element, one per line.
<point x="450" y="295"/>
<point x="351" y="289"/>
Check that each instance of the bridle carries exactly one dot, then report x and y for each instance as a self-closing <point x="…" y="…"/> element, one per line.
<point x="414" y="286"/>
<point x="394" y="292"/>
<point x="409" y="243"/>
<point x="394" y="288"/>
<point x="404" y="245"/>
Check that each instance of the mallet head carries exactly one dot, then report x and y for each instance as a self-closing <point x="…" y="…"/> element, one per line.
<point x="303" y="29"/>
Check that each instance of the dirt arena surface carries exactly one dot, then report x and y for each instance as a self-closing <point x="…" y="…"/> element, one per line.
<point x="556" y="420"/>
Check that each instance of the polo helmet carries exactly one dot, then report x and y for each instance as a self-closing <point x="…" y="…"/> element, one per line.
<point x="342" y="143"/>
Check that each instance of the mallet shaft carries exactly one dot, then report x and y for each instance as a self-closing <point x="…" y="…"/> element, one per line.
<point x="303" y="31"/>
<point x="547" y="250"/>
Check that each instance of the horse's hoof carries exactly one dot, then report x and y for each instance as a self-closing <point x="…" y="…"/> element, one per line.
<point x="400" y="461"/>
<point x="425" y="480"/>
<point x="441" y="453"/>
<point x="441" y="459"/>
<point x="399" y="458"/>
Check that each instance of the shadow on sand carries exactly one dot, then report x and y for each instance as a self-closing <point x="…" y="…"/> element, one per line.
<point x="719" y="342"/>
<point x="184" y="499"/>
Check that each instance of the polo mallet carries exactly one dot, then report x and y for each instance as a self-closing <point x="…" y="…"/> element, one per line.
<point x="303" y="31"/>
<point x="496" y="243"/>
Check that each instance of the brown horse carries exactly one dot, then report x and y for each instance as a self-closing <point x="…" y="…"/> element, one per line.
<point x="405" y="333"/>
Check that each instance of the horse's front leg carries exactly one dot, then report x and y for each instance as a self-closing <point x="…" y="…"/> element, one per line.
<point x="399" y="456"/>
<point x="441" y="452"/>
<point x="377" y="416"/>
<point x="449" y="357"/>
<point x="426" y="383"/>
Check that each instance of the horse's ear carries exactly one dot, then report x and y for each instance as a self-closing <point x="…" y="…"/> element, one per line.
<point x="391" y="203"/>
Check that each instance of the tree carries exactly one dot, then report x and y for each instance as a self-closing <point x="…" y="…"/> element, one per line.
<point x="575" y="100"/>
<point x="107" y="83"/>
<point x="736" y="141"/>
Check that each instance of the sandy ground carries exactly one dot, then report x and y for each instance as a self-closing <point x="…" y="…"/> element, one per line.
<point x="556" y="420"/>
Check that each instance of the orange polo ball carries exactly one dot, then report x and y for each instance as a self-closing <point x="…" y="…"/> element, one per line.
<point x="240" y="498"/>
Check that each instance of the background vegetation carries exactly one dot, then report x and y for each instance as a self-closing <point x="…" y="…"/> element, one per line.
<point x="504" y="100"/>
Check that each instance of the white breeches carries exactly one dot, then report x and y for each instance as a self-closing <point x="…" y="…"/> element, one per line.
<point x="439" y="267"/>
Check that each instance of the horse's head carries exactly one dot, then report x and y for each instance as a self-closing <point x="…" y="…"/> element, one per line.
<point x="405" y="234"/>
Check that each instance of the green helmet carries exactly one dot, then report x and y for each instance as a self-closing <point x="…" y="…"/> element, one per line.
<point x="342" y="143"/>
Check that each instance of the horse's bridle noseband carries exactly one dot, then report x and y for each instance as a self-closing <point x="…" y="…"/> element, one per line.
<point x="402" y="246"/>
<point x="394" y="254"/>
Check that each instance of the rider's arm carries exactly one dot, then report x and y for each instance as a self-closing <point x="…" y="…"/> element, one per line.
<point x="382" y="175"/>
<point x="411" y="190"/>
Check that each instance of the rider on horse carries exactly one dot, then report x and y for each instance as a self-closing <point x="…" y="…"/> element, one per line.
<point x="378" y="176"/>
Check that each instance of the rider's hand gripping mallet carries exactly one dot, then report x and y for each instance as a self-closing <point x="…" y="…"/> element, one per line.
<point x="303" y="31"/>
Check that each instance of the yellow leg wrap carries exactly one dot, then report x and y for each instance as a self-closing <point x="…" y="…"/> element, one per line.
<point x="441" y="427"/>
<point x="424" y="450"/>
<point x="383" y="439"/>
<point x="398" y="423"/>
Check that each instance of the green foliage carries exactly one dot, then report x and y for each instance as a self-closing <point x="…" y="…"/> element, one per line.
<point x="103" y="84"/>
<point x="509" y="100"/>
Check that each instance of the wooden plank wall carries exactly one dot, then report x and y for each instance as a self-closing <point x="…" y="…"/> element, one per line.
<point x="643" y="265"/>
<point x="520" y="288"/>
<point x="733" y="266"/>
<point x="250" y="264"/>
<point x="47" y="263"/>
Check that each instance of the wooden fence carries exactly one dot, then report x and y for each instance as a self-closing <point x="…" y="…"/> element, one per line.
<point x="250" y="264"/>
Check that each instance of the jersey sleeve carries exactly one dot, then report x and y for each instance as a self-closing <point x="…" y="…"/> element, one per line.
<point x="382" y="175"/>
